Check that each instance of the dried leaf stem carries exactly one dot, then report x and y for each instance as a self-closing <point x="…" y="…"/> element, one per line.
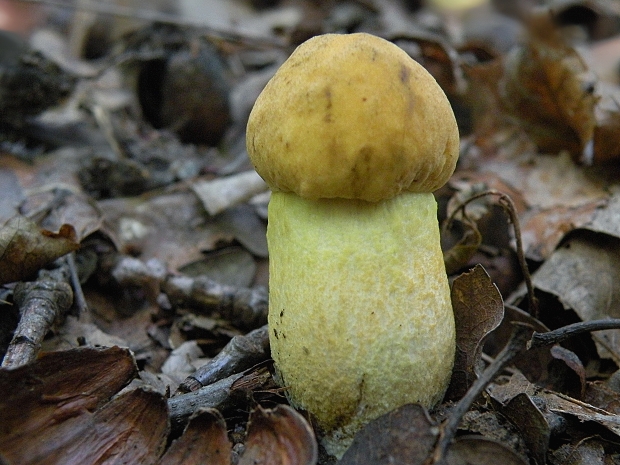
<point x="508" y="205"/>
<point x="79" y="301"/>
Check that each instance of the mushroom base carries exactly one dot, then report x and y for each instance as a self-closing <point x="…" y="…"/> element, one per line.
<point x="360" y="314"/>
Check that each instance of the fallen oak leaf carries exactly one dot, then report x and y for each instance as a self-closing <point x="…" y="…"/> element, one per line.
<point x="26" y="248"/>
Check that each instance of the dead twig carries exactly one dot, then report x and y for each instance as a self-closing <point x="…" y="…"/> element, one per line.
<point x="561" y="334"/>
<point x="244" y="307"/>
<point x="217" y="395"/>
<point x="241" y="353"/>
<point x="41" y="303"/>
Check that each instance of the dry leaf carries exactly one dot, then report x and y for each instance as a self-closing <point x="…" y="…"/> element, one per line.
<point x="279" y="436"/>
<point x="25" y="248"/>
<point x="590" y="451"/>
<point x="583" y="275"/>
<point x="204" y="441"/>
<point x="566" y="373"/>
<point x="607" y="131"/>
<point x="549" y="401"/>
<point x="131" y="428"/>
<point x="546" y="88"/>
<point x="404" y="436"/>
<point x="531" y="423"/>
<point x="478" y="310"/>
<point x="476" y="450"/>
<point x="543" y="231"/>
<point x="58" y="387"/>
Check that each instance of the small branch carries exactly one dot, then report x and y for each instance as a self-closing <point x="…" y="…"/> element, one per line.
<point x="41" y="303"/>
<point x="515" y="345"/>
<point x="241" y="353"/>
<point x="566" y="332"/>
<point x="244" y="307"/>
<point x="217" y="395"/>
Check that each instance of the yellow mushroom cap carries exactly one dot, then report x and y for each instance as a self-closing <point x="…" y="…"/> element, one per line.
<point x="352" y="116"/>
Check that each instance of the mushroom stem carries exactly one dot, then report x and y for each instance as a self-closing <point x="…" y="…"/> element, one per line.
<point x="359" y="309"/>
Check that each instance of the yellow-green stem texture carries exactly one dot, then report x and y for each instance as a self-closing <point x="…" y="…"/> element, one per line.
<point x="359" y="308"/>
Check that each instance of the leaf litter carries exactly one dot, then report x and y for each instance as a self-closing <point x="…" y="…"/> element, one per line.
<point x="126" y="227"/>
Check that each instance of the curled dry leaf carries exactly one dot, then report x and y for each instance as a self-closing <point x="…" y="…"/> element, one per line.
<point x="204" y="441"/>
<point x="586" y="452"/>
<point x="478" y="310"/>
<point x="545" y="229"/>
<point x="552" y="403"/>
<point x="25" y="248"/>
<point x="279" y="436"/>
<point x="566" y="373"/>
<point x="546" y="88"/>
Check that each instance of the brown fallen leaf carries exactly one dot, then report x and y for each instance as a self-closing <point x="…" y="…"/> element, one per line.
<point x="606" y="133"/>
<point x="546" y="88"/>
<point x="476" y="450"/>
<point x="204" y="441"/>
<point x="478" y="310"/>
<point x="531" y="423"/>
<point x="279" y="436"/>
<point x="549" y="402"/>
<point x="131" y="428"/>
<point x="583" y="275"/>
<point x="25" y="248"/>
<point x="590" y="451"/>
<point x="59" y="387"/>
<point x="403" y="436"/>
<point x="566" y="373"/>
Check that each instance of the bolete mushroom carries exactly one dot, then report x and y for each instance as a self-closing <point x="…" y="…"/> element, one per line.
<point x="353" y="136"/>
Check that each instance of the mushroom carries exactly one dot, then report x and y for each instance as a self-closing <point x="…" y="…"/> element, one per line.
<point x="353" y="136"/>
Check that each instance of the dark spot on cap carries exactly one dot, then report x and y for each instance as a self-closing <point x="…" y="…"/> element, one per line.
<point x="404" y="74"/>
<point x="328" y="108"/>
